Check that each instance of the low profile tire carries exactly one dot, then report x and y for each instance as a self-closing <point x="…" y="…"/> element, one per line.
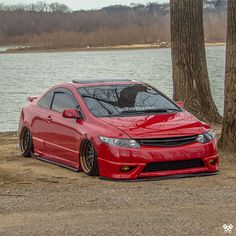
<point x="88" y="159"/>
<point x="26" y="143"/>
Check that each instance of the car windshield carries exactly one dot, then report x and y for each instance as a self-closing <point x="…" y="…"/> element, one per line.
<point x="125" y="99"/>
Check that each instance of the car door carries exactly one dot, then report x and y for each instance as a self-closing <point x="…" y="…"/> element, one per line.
<point x="41" y="112"/>
<point x="64" y="136"/>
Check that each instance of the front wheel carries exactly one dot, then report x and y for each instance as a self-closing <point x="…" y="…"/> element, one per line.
<point x="88" y="159"/>
<point x="26" y="142"/>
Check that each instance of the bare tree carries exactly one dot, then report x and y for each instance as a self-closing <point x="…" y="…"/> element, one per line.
<point x="190" y="76"/>
<point x="58" y="7"/>
<point x="228" y="138"/>
<point x="2" y="7"/>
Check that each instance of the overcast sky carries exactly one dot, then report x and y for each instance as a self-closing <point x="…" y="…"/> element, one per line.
<point x="84" y="4"/>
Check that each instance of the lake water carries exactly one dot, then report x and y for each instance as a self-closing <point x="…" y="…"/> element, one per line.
<point x="27" y="74"/>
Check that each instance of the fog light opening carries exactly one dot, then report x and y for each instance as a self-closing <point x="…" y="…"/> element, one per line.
<point x="213" y="162"/>
<point x="126" y="168"/>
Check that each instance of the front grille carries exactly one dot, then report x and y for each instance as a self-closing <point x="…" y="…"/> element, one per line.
<point x="173" y="165"/>
<point x="168" y="142"/>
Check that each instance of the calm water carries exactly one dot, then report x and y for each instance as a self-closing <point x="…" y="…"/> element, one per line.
<point x="22" y="75"/>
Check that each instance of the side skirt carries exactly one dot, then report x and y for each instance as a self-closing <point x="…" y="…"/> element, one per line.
<point x="55" y="163"/>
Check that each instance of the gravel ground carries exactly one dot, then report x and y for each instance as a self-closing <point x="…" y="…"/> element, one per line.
<point x="37" y="198"/>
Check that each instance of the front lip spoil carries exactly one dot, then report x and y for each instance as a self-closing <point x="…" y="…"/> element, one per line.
<point x="201" y="174"/>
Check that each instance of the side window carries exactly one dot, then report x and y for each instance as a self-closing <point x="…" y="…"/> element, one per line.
<point x="62" y="101"/>
<point x="46" y="100"/>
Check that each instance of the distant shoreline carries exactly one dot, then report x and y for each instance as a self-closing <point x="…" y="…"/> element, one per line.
<point x="38" y="49"/>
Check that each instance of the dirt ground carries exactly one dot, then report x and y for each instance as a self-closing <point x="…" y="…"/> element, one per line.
<point x="37" y="198"/>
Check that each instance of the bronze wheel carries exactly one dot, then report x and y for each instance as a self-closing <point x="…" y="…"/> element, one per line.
<point x="88" y="158"/>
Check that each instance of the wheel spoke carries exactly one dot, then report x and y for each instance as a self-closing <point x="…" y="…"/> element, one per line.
<point x="25" y="140"/>
<point x="89" y="157"/>
<point x="26" y="144"/>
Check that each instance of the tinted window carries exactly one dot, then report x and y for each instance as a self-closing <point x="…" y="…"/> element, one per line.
<point x="46" y="100"/>
<point x="116" y="100"/>
<point x="62" y="101"/>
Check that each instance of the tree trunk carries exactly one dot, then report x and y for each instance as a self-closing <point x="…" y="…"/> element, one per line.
<point x="228" y="138"/>
<point x="190" y="76"/>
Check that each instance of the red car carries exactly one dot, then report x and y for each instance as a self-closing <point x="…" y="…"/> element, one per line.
<point x="117" y="130"/>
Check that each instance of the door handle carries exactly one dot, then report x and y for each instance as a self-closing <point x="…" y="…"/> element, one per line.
<point x="49" y="119"/>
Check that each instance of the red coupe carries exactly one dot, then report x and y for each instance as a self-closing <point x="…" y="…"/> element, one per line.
<point x="118" y="130"/>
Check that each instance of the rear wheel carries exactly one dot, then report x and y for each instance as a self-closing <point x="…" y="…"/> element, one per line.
<point x="88" y="159"/>
<point x="26" y="143"/>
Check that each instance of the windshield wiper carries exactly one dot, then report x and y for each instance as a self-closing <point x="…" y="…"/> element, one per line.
<point x="111" y="115"/>
<point x="162" y="110"/>
<point x="173" y="109"/>
<point x="149" y="111"/>
<point x="144" y="111"/>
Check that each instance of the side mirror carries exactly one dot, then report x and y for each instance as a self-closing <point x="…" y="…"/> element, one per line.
<point x="71" y="114"/>
<point x="180" y="103"/>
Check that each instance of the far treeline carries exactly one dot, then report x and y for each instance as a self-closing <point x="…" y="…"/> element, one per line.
<point x="55" y="25"/>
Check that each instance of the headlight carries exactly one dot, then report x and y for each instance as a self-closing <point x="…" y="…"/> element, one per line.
<point x="117" y="142"/>
<point x="206" y="137"/>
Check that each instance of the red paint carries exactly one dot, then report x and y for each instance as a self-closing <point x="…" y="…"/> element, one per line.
<point x="57" y="137"/>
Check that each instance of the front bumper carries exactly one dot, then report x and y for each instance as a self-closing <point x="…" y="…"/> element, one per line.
<point x="112" y="159"/>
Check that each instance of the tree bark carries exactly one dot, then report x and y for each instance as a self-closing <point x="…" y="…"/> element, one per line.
<point x="228" y="137"/>
<point x="190" y="76"/>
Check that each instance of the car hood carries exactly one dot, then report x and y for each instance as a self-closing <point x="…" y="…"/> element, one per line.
<point x="158" y="126"/>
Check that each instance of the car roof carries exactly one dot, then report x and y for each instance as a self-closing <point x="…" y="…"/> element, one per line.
<point x="98" y="82"/>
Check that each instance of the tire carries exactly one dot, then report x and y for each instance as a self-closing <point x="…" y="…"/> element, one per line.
<point x="88" y="159"/>
<point x="26" y="143"/>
